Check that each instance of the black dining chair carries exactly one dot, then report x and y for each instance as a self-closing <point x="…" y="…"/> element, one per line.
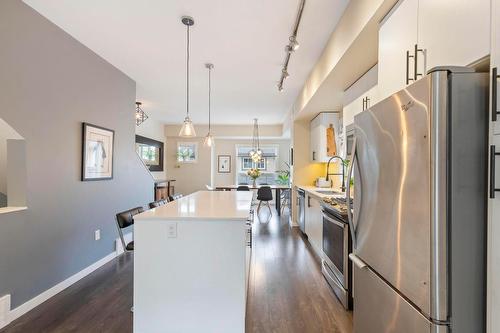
<point x="243" y="188"/>
<point x="124" y="220"/>
<point x="264" y="194"/>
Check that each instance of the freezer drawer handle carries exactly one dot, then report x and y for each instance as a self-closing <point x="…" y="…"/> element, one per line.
<point x="493" y="156"/>
<point x="356" y="261"/>
<point x="494" y="98"/>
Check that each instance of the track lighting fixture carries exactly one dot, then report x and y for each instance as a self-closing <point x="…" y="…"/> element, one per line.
<point x="292" y="46"/>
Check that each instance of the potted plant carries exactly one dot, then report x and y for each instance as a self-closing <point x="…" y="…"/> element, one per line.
<point x="254" y="174"/>
<point x="284" y="176"/>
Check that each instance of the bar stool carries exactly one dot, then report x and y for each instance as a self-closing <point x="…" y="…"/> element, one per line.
<point x="124" y="220"/>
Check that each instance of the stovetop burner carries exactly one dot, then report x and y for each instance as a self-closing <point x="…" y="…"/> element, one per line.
<point x="337" y="203"/>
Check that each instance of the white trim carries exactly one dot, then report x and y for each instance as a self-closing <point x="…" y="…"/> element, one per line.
<point x="4" y="310"/>
<point x="37" y="300"/>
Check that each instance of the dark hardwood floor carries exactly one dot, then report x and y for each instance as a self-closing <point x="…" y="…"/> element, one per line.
<point x="287" y="292"/>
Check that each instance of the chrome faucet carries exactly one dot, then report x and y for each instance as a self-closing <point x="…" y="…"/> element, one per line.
<point x="328" y="174"/>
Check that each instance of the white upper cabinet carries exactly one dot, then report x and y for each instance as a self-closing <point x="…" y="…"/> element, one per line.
<point x="453" y="32"/>
<point x="418" y="35"/>
<point x="363" y="102"/>
<point x="397" y="36"/>
<point x="325" y="139"/>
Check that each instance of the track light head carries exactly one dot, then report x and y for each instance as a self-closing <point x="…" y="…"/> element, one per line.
<point x="294" y="45"/>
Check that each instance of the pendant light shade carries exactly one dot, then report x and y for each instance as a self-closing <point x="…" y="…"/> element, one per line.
<point x="187" y="129"/>
<point x="209" y="140"/>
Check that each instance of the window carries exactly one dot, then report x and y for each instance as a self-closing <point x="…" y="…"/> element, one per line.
<point x="150" y="151"/>
<point x="187" y="152"/>
<point x="262" y="164"/>
<point x="247" y="163"/>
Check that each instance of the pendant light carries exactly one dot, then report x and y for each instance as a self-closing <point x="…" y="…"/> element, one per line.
<point x="140" y="115"/>
<point x="187" y="129"/>
<point x="255" y="154"/>
<point x="209" y="140"/>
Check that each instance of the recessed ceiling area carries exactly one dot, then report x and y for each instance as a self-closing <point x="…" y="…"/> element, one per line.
<point x="244" y="39"/>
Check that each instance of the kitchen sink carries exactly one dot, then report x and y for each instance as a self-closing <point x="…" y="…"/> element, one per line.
<point x="328" y="192"/>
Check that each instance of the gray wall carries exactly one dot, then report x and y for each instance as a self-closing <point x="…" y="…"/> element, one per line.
<point x="50" y="84"/>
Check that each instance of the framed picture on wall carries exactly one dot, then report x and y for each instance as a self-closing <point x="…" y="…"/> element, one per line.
<point x="224" y="163"/>
<point x="150" y="151"/>
<point x="97" y="152"/>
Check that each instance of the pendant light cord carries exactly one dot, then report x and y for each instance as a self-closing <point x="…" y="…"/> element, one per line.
<point x="209" y="97"/>
<point x="187" y="74"/>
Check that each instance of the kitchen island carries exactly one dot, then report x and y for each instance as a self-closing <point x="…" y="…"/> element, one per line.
<point x="191" y="264"/>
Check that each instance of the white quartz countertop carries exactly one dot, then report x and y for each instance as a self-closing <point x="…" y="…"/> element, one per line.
<point x="203" y="206"/>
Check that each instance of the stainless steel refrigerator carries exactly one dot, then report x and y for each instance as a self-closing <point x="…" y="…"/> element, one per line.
<point x="419" y="212"/>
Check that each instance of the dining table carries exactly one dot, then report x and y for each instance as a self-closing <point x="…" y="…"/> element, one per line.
<point x="276" y="188"/>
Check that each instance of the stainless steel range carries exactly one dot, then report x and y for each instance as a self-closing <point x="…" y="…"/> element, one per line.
<point x="336" y="267"/>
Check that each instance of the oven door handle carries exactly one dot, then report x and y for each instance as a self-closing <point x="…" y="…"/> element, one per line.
<point x="348" y="193"/>
<point x="329" y="219"/>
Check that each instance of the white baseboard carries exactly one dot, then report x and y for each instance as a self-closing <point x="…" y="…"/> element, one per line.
<point x="4" y="310"/>
<point x="34" y="302"/>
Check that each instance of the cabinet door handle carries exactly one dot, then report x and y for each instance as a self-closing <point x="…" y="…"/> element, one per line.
<point x="416" y="73"/>
<point x="363" y="108"/>
<point x="494" y="98"/>
<point x="314" y="156"/>
<point x="493" y="156"/>
<point x="408" y="56"/>
<point x="367" y="102"/>
<point x="308" y="201"/>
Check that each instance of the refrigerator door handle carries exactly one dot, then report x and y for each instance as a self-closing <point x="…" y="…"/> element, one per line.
<point x="493" y="156"/>
<point x="348" y="194"/>
<point x="494" y="101"/>
<point x="356" y="261"/>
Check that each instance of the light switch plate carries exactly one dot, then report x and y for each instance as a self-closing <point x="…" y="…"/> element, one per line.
<point x="97" y="234"/>
<point x="172" y="230"/>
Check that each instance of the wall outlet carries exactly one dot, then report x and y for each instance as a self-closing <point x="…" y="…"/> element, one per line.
<point x="4" y="310"/>
<point x="172" y="230"/>
<point x="97" y="234"/>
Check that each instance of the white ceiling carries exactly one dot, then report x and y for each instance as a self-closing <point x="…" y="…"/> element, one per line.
<point x="244" y="39"/>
